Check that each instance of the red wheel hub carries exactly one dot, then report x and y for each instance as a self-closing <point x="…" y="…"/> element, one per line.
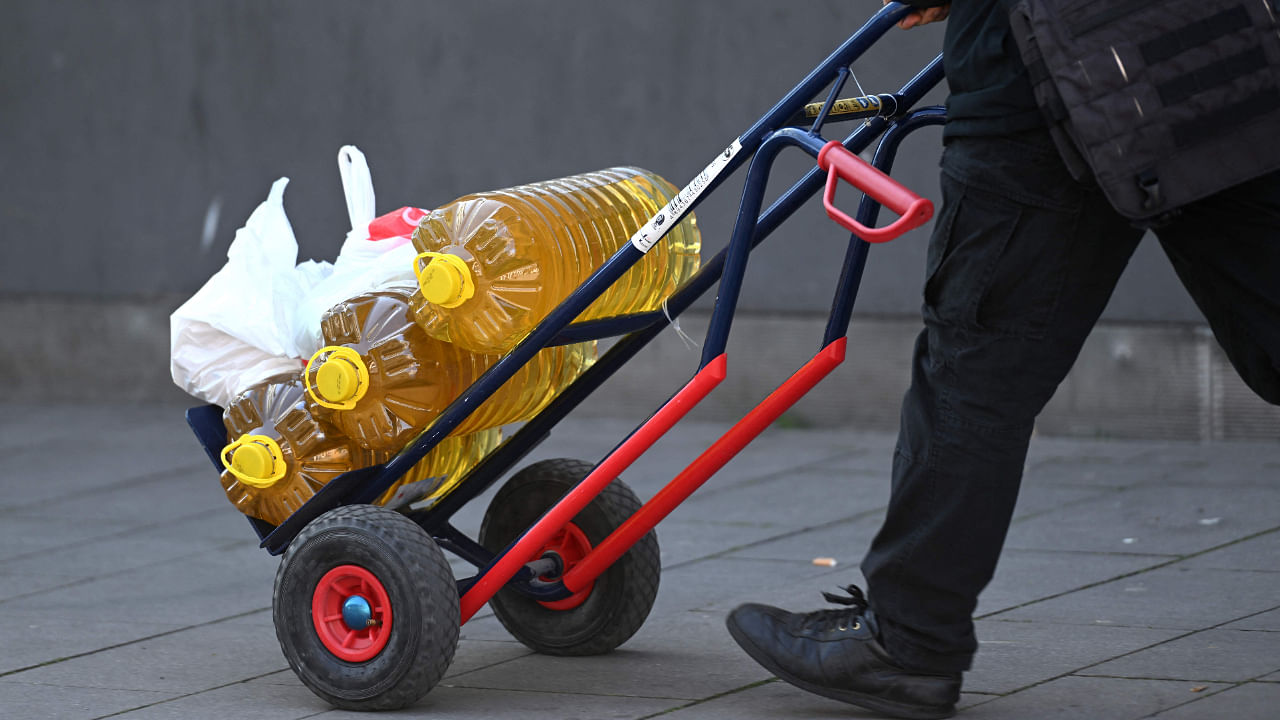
<point x="351" y="586"/>
<point x="571" y="544"/>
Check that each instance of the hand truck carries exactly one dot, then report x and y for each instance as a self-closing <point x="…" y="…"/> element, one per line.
<point x="367" y="609"/>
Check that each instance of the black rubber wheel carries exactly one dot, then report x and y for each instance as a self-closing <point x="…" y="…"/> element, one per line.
<point x="617" y="604"/>
<point x="362" y="550"/>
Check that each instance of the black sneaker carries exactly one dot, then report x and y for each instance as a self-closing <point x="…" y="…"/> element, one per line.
<point x="835" y="653"/>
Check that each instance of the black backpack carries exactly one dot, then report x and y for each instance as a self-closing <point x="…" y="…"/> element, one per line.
<point x="1162" y="102"/>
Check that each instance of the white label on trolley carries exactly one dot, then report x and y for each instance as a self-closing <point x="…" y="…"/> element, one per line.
<point x="658" y="225"/>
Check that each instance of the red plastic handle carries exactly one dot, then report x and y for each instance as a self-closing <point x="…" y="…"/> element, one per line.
<point x="840" y="163"/>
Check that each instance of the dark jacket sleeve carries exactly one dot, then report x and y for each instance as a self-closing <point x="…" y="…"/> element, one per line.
<point x="921" y="4"/>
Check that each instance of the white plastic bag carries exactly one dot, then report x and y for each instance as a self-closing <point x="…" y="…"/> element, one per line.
<point x="216" y="367"/>
<point x="260" y="314"/>
<point x="240" y="327"/>
<point x="376" y="253"/>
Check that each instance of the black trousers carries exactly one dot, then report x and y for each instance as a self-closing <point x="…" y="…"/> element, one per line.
<point x="1021" y="263"/>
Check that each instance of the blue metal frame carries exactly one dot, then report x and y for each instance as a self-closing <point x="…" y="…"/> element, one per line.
<point x="761" y="143"/>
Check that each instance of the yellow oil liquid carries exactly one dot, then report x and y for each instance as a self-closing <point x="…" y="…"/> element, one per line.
<point x="412" y="377"/>
<point x="445" y="464"/>
<point x="314" y="452"/>
<point x="526" y="248"/>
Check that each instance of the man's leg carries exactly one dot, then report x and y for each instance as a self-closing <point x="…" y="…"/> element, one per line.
<point x="1020" y="266"/>
<point x="1021" y="263"/>
<point x="1226" y="251"/>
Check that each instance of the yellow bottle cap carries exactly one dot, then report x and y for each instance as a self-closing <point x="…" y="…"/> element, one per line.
<point x="337" y="380"/>
<point x="446" y="279"/>
<point x="340" y="380"/>
<point x="256" y="459"/>
<point x="253" y="460"/>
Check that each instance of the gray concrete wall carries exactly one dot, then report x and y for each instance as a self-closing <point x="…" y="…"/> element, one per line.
<point x="129" y="128"/>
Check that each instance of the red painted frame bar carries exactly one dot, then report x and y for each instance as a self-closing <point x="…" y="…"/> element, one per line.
<point x="592" y="485"/>
<point x="683" y="485"/>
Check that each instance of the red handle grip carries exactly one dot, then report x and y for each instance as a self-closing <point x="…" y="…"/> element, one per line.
<point x="840" y="163"/>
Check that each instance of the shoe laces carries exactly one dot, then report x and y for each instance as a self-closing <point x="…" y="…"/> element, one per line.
<point x="841" y="619"/>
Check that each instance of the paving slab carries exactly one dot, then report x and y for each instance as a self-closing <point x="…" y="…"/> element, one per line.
<point x="213" y="585"/>
<point x="767" y="698"/>
<point x="31" y="638"/>
<point x="178" y="491"/>
<point x="1066" y="450"/>
<point x="1025" y="576"/>
<point x="464" y="703"/>
<point x="259" y="618"/>
<point x="17" y="583"/>
<point x="23" y="534"/>
<point x="32" y="424"/>
<point x="1176" y="520"/>
<point x="238" y="700"/>
<point x="191" y="660"/>
<point x="776" y="699"/>
<point x="1173" y="596"/>
<point x="484" y="627"/>
<point x="1016" y="655"/>
<point x="795" y="499"/>
<point x="1092" y="473"/>
<point x="113" y="553"/>
<point x="190" y="635"/>
<point x="26" y="700"/>
<point x="682" y="540"/>
<point x="1250" y="701"/>
<point x="98" y="458"/>
<point x="1218" y="655"/>
<point x="1252" y="464"/>
<point x="1093" y="698"/>
<point x="755" y="514"/>
<point x="721" y="584"/>
<point x="218" y="526"/>
<point x="675" y="653"/>
<point x="844" y="541"/>
<point x="869" y="455"/>
<point x="1038" y="498"/>
<point x="638" y="669"/>
<point x="1268" y="621"/>
<point x="1256" y="553"/>
<point x="474" y="655"/>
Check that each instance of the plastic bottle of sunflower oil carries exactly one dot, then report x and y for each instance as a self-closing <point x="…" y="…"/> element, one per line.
<point x="493" y="264"/>
<point x="380" y="379"/>
<point x="442" y="469"/>
<point x="281" y="454"/>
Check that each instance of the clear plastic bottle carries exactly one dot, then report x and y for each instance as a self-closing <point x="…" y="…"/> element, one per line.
<point x="380" y="379"/>
<point x="444" y="466"/>
<point x="495" y="263"/>
<point x="282" y="455"/>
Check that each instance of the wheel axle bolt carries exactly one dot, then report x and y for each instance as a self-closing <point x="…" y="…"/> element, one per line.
<point x="357" y="614"/>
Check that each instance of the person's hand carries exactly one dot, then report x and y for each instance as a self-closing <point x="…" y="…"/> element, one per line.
<point x="924" y="16"/>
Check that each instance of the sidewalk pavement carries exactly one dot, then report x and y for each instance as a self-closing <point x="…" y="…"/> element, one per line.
<point x="1140" y="579"/>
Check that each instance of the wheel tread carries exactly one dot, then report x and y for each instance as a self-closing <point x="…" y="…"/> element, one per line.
<point x="638" y="571"/>
<point x="422" y="559"/>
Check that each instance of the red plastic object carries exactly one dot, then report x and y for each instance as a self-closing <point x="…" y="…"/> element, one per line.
<point x="571" y="544"/>
<point x="337" y="585"/>
<point x="711" y="460"/>
<point x="842" y="164"/>
<point x="611" y="467"/>
<point x="396" y="227"/>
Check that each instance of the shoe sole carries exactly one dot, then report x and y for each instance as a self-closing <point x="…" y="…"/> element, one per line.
<point x="870" y="702"/>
